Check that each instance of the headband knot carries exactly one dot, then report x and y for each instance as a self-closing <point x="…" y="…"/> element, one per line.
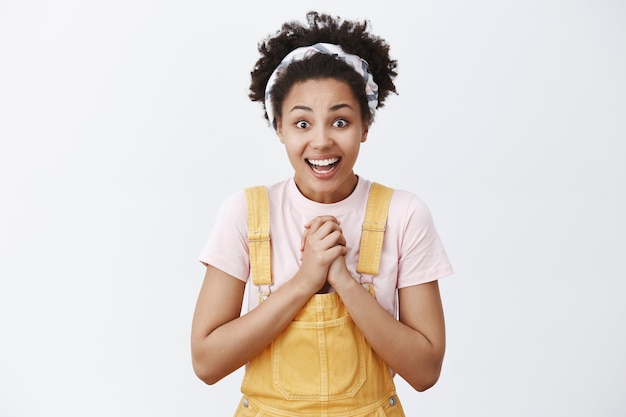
<point x="357" y="63"/>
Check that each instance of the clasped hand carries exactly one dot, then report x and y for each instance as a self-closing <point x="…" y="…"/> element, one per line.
<point x="323" y="248"/>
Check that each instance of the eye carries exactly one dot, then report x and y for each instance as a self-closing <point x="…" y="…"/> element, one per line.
<point x="301" y="124"/>
<point x="340" y="123"/>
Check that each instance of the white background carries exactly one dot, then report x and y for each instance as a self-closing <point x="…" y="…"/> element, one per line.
<point x="124" y="124"/>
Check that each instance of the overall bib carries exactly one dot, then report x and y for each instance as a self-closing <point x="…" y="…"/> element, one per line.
<point x="320" y="365"/>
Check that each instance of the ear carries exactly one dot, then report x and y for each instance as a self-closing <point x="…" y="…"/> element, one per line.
<point x="279" y="130"/>
<point x="366" y="129"/>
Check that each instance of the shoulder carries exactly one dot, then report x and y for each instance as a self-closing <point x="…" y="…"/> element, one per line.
<point x="408" y="200"/>
<point x="232" y="214"/>
<point x="403" y="202"/>
<point x="235" y="202"/>
<point x="408" y="210"/>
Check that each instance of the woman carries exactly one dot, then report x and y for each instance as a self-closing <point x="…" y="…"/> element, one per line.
<point x="313" y="341"/>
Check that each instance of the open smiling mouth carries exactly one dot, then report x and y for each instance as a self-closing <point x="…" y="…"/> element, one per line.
<point x="323" y="166"/>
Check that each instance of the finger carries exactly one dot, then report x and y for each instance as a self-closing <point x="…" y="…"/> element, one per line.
<point x="327" y="229"/>
<point x="303" y="239"/>
<point x="335" y="238"/>
<point x="319" y="220"/>
<point x="329" y="234"/>
<point x="336" y="251"/>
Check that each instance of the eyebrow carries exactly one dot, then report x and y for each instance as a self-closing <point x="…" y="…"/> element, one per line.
<point x="332" y="108"/>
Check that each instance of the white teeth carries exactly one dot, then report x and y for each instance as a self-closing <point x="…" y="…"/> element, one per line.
<point x="323" y="162"/>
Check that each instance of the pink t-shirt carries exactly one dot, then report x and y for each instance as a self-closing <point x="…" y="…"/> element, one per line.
<point x="412" y="250"/>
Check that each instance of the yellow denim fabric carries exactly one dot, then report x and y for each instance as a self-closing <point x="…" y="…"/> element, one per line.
<point x="321" y="365"/>
<point x="374" y="228"/>
<point x="259" y="234"/>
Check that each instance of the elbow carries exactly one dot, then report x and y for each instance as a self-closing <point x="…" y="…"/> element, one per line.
<point x="426" y="378"/>
<point x="203" y="363"/>
<point x="427" y="373"/>
<point x="208" y="379"/>
<point x="424" y="383"/>
<point x="205" y="373"/>
<point x="204" y="368"/>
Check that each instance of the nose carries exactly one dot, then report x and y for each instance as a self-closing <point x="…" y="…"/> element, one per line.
<point x="322" y="138"/>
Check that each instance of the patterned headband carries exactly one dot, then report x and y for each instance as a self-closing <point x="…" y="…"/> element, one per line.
<point x="356" y="62"/>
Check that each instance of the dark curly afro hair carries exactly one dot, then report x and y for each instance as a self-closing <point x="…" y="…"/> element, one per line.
<point x="354" y="37"/>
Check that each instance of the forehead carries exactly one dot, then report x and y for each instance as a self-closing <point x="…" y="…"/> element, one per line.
<point x="320" y="90"/>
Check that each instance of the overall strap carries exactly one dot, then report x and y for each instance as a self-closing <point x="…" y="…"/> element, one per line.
<point x="259" y="234"/>
<point x="374" y="228"/>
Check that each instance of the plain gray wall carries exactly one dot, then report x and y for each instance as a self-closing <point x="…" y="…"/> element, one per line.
<point x="124" y="124"/>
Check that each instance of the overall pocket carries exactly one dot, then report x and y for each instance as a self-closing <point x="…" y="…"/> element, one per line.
<point x="319" y="361"/>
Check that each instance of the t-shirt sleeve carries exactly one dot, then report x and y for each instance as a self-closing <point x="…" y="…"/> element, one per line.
<point x="422" y="255"/>
<point x="227" y="246"/>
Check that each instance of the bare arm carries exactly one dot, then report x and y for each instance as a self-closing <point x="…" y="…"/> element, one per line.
<point x="222" y="340"/>
<point x="414" y="346"/>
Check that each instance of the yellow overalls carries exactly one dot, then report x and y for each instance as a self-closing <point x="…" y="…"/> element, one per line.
<point x="320" y="365"/>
